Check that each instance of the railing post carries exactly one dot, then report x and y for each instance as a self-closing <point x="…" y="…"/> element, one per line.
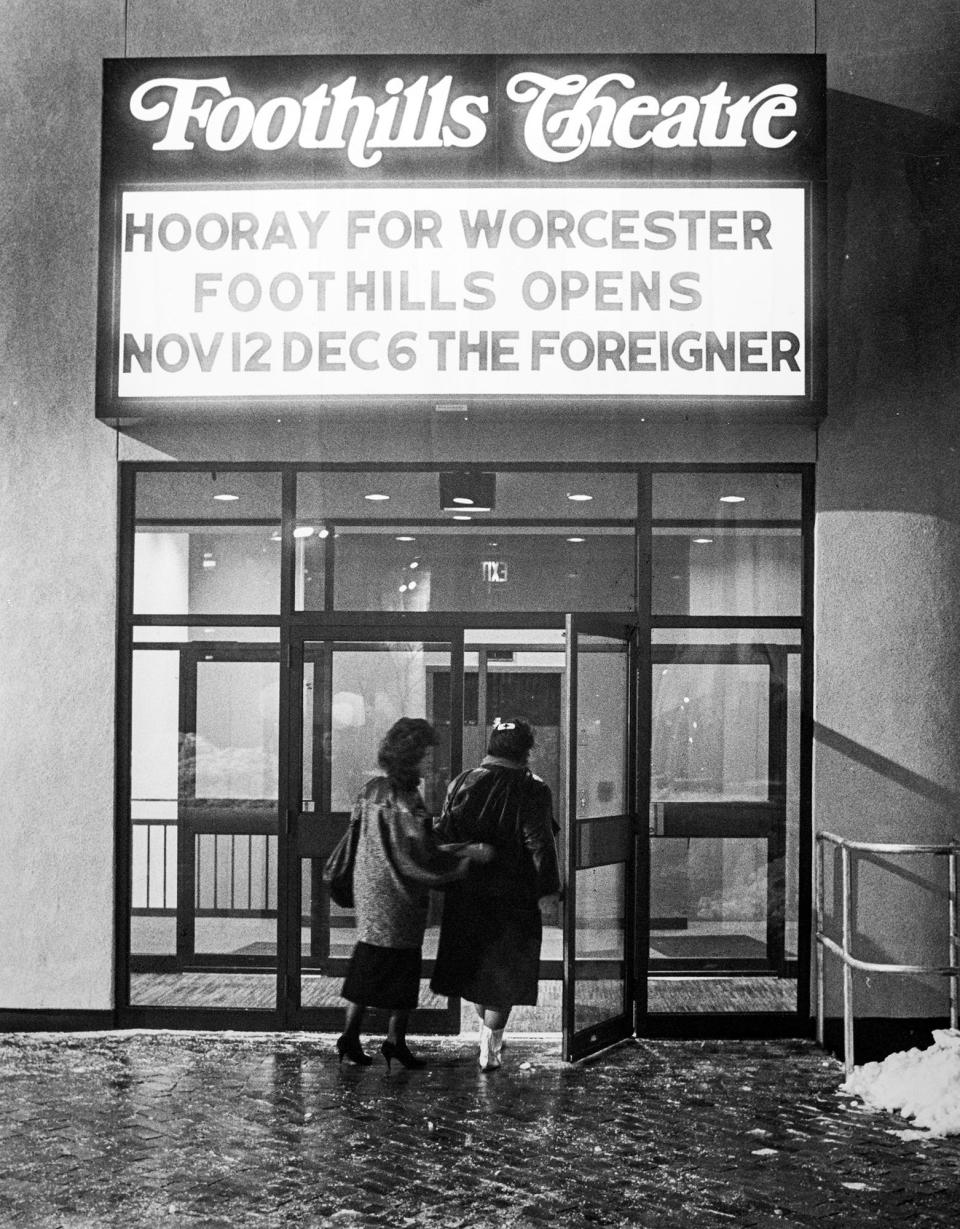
<point x="954" y="960"/>
<point x="818" y="898"/>
<point x="847" y="970"/>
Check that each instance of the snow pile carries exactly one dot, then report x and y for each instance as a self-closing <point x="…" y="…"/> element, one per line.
<point x="922" y="1084"/>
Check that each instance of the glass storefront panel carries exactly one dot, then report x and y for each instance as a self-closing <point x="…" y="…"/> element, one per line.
<point x="411" y="569"/>
<point x="337" y="496"/>
<point x="206" y="884"/>
<point x="712" y="570"/>
<point x="204" y="786"/>
<point x="726" y="495"/>
<point x="710" y="731"/>
<point x="207" y="494"/>
<point x="724" y="820"/>
<point x="207" y="569"/>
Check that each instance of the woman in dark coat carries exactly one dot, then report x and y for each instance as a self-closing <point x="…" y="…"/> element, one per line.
<point x="490" y="935"/>
<point x="398" y="861"/>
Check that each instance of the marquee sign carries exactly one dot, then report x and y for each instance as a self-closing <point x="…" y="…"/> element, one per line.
<point x="300" y="232"/>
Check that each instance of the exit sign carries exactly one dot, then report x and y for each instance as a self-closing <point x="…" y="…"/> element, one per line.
<point x="494" y="571"/>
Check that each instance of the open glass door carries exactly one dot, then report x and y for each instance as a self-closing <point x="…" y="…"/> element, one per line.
<point x="353" y="683"/>
<point x="599" y="984"/>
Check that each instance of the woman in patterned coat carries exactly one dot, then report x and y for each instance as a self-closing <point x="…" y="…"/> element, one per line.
<point x="398" y="861"/>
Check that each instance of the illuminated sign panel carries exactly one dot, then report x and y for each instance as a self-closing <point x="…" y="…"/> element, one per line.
<point x="303" y="232"/>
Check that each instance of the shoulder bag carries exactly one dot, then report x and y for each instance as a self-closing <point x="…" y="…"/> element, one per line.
<point x="338" y="871"/>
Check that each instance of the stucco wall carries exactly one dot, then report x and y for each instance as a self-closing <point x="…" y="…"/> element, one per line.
<point x="888" y="638"/>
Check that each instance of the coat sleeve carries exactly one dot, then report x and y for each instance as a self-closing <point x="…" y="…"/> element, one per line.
<point x="414" y="850"/>
<point x="537" y="830"/>
<point x="444" y="826"/>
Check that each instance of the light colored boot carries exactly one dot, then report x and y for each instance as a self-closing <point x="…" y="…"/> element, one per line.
<point x="491" y="1043"/>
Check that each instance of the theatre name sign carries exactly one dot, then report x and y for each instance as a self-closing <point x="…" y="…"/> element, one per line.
<point x="307" y="231"/>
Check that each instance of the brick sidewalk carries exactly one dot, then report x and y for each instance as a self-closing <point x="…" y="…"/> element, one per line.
<point x="246" y="1131"/>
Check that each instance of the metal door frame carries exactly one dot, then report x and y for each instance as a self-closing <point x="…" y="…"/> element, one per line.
<point x="768" y="816"/>
<point x="581" y="1043"/>
<point x="296" y="843"/>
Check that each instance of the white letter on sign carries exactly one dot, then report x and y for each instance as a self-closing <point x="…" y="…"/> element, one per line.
<point x="181" y="111"/>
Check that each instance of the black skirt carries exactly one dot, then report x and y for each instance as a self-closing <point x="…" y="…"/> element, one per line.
<point x="387" y="977"/>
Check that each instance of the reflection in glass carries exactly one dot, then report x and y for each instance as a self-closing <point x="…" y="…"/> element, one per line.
<point x="518" y="495"/>
<point x="204" y="777"/>
<point x="207" y="494"/>
<point x="415" y="569"/>
<point x="599" y="993"/>
<point x="710" y="731"/>
<point x="721" y="571"/>
<point x="601" y="726"/>
<point x="722" y="494"/>
<point x="198" y="570"/>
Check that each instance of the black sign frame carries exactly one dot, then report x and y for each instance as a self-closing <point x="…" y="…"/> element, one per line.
<point x="129" y="162"/>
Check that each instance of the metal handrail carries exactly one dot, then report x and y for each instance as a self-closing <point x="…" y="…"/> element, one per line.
<point x="951" y="851"/>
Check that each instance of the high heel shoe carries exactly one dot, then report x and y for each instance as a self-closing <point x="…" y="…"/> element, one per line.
<point x="349" y="1047"/>
<point x="399" y="1051"/>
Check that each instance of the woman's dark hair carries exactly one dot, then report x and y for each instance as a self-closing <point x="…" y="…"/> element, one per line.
<point x="511" y="738"/>
<point x="404" y="746"/>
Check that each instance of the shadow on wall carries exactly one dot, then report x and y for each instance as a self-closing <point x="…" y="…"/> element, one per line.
<point x="891" y="438"/>
<point x="921" y="786"/>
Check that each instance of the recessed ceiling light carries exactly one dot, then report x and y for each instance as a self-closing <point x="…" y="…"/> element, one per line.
<point x="404" y="537"/>
<point x="303" y="531"/>
<point x="412" y="584"/>
<point x="576" y="539"/>
<point x="209" y="563"/>
<point x="579" y="499"/>
<point x="323" y="533"/>
<point x="225" y="498"/>
<point x="703" y="541"/>
<point x="415" y="564"/>
<point x="276" y="536"/>
<point x="732" y="499"/>
<point x="376" y="497"/>
<point x="402" y="589"/>
<point x="462" y="499"/>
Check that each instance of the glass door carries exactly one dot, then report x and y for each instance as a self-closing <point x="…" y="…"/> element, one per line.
<point x="599" y="985"/>
<point x="718" y="810"/>
<point x="349" y="686"/>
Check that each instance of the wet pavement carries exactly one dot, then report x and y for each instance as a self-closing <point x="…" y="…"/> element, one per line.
<point x="241" y="1131"/>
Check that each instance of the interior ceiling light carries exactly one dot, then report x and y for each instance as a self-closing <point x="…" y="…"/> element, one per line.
<point x="412" y="584"/>
<point x="579" y="499"/>
<point x="462" y="517"/>
<point x="276" y="536"/>
<point x="703" y="541"/>
<point x="323" y="533"/>
<point x="467" y="488"/>
<point x="376" y="497"/>
<point x="303" y="531"/>
<point x="733" y="499"/>
<point x="224" y="497"/>
<point x="576" y="539"/>
<point x="209" y="563"/>
<point x="404" y="537"/>
<point x="415" y="563"/>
